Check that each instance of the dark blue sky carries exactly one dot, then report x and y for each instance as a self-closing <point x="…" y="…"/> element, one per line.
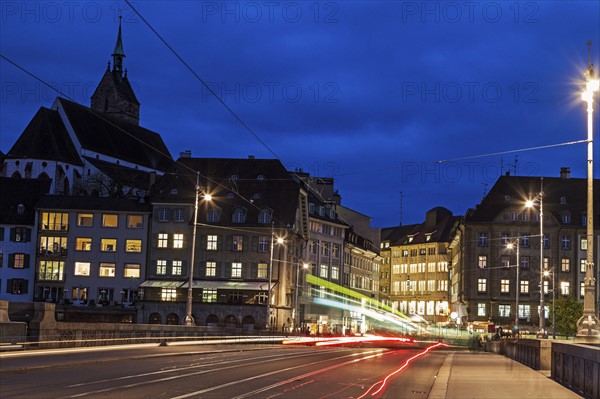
<point x="370" y="93"/>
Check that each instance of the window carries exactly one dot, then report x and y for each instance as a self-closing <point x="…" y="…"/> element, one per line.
<point x="525" y="262"/>
<point x="209" y="295"/>
<point x="505" y="286"/>
<point x="546" y="285"/>
<point x="524" y="311"/>
<point x="546" y="241"/>
<point x="422" y="251"/>
<point x="163" y="240"/>
<point x="582" y="289"/>
<point x="177" y="240"/>
<point x="85" y="219"/>
<point x="404" y="252"/>
<point x="178" y="215"/>
<point x="176" y="268"/>
<point x="161" y="267"/>
<point x="82" y="268"/>
<point x="566" y="242"/>
<point x="19" y="261"/>
<point x="505" y="262"/>
<point x="133" y="245"/>
<point x="110" y="220"/>
<point x="504" y="310"/>
<point x="108" y="244"/>
<point x="505" y="239"/>
<point x="482" y="239"/>
<point x="335" y="273"/>
<point x="325" y="248"/>
<point x="239" y="215"/>
<point x="212" y="216"/>
<point x="20" y="234"/>
<point x="55" y="221"/>
<point x="51" y="270"/>
<point x="566" y="218"/>
<point x="163" y="215"/>
<point x="395" y="269"/>
<point x="107" y="270"/>
<point x="79" y="293"/>
<point x="324" y="271"/>
<point x="565" y="265"/>
<point x="17" y="286"/>
<point x="262" y="270"/>
<point x="481" y="309"/>
<point x="211" y="242"/>
<point x="524" y="286"/>
<point x="238" y="243"/>
<point x="565" y="288"/>
<point x="236" y="269"/>
<point x="335" y="250"/>
<point x="135" y="221"/>
<point x="443" y="285"/>
<point x="263" y="244"/>
<point x="168" y="294"/>
<point x="525" y="241"/>
<point x="582" y="265"/>
<point x="482" y="261"/>
<point x="264" y="216"/>
<point x="83" y="244"/>
<point x="481" y="285"/>
<point x="584" y="244"/>
<point x="211" y="269"/>
<point x="132" y="270"/>
<point x="431" y="251"/>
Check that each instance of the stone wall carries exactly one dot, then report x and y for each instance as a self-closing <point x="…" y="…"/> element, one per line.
<point x="11" y="332"/>
<point x="577" y="367"/>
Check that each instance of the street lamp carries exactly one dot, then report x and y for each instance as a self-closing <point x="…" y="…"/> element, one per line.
<point x="546" y="274"/>
<point x="511" y="245"/>
<point x="296" y="307"/>
<point x="279" y="240"/>
<point x="189" y="319"/>
<point x="542" y="331"/>
<point x="588" y="325"/>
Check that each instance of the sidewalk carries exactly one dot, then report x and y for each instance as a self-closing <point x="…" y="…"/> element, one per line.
<point x="488" y="375"/>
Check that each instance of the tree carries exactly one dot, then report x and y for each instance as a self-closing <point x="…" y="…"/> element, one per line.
<point x="568" y="311"/>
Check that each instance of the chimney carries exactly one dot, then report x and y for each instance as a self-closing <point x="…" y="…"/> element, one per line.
<point x="185" y="154"/>
<point x="251" y="157"/>
<point x="565" y="172"/>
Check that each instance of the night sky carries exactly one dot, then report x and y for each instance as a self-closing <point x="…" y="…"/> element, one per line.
<point x="370" y="93"/>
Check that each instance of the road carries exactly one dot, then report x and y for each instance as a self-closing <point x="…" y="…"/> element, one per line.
<point x="227" y="371"/>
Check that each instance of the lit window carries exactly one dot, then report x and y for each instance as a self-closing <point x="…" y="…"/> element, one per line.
<point x="211" y="242"/>
<point x="51" y="270"/>
<point x="211" y="269"/>
<point x="85" y="219"/>
<point x="133" y="246"/>
<point x="481" y="309"/>
<point x="82" y="268"/>
<point x="335" y="273"/>
<point x="584" y="244"/>
<point x="107" y="270"/>
<point x="524" y="286"/>
<point x="582" y="265"/>
<point x="161" y="267"/>
<point x="83" y="244"/>
<point x="18" y="261"/>
<point x="324" y="271"/>
<point x="55" y="221"/>
<point x="482" y="261"/>
<point x="504" y="286"/>
<point x="110" y="220"/>
<point x="168" y="294"/>
<point x="176" y="268"/>
<point x="132" y="270"/>
<point x="209" y="295"/>
<point x="262" y="270"/>
<point x="163" y="240"/>
<point x="135" y="221"/>
<point x="238" y="242"/>
<point x="177" y="240"/>
<point x="565" y="287"/>
<point x="481" y="285"/>
<point x="565" y="265"/>
<point x="236" y="269"/>
<point x="504" y="310"/>
<point x="108" y="245"/>
<point x="524" y="311"/>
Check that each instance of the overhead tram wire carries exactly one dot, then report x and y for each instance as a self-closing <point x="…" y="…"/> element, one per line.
<point x="219" y="99"/>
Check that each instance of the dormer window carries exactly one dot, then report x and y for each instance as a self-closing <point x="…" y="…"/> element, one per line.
<point x="234" y="177"/>
<point x="260" y="177"/>
<point x="565" y="218"/>
<point x="239" y="215"/>
<point x="212" y="216"/>
<point x="331" y="213"/>
<point x="173" y="191"/>
<point x="256" y="196"/>
<point x="229" y="195"/>
<point x="311" y="207"/>
<point x="265" y="215"/>
<point x="563" y="200"/>
<point x="21" y="209"/>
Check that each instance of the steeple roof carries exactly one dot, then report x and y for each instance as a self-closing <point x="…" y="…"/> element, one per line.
<point x="118" y="53"/>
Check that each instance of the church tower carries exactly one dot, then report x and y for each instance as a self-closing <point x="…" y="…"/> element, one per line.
<point x="114" y="95"/>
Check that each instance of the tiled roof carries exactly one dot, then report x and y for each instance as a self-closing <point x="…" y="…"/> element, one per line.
<point x="117" y="139"/>
<point x="261" y="183"/>
<point x="560" y="195"/>
<point x="92" y="203"/>
<point x="121" y="174"/>
<point x="45" y="137"/>
<point x="438" y="226"/>
<point x="14" y="192"/>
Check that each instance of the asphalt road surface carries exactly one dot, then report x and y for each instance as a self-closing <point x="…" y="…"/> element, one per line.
<point x="241" y="371"/>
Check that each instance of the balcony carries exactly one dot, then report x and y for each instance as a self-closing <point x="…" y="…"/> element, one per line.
<point x="53" y="253"/>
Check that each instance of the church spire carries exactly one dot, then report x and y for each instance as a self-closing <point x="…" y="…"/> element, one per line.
<point x="118" y="53"/>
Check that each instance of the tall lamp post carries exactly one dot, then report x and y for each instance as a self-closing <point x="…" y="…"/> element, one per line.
<point x="542" y="331"/>
<point x="546" y="274"/>
<point x="588" y="325"/>
<point x="296" y="307"/>
<point x="511" y="245"/>
<point x="279" y="240"/>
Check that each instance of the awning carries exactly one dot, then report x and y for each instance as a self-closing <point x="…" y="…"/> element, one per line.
<point x="161" y="284"/>
<point x="230" y="285"/>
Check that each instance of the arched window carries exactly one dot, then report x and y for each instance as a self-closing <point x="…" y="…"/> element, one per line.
<point x="230" y="321"/>
<point x="212" y="320"/>
<point x="239" y="215"/>
<point x="248" y="323"/>
<point x="172" y="319"/>
<point x="154" y="318"/>
<point x="213" y="215"/>
<point x="265" y="215"/>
